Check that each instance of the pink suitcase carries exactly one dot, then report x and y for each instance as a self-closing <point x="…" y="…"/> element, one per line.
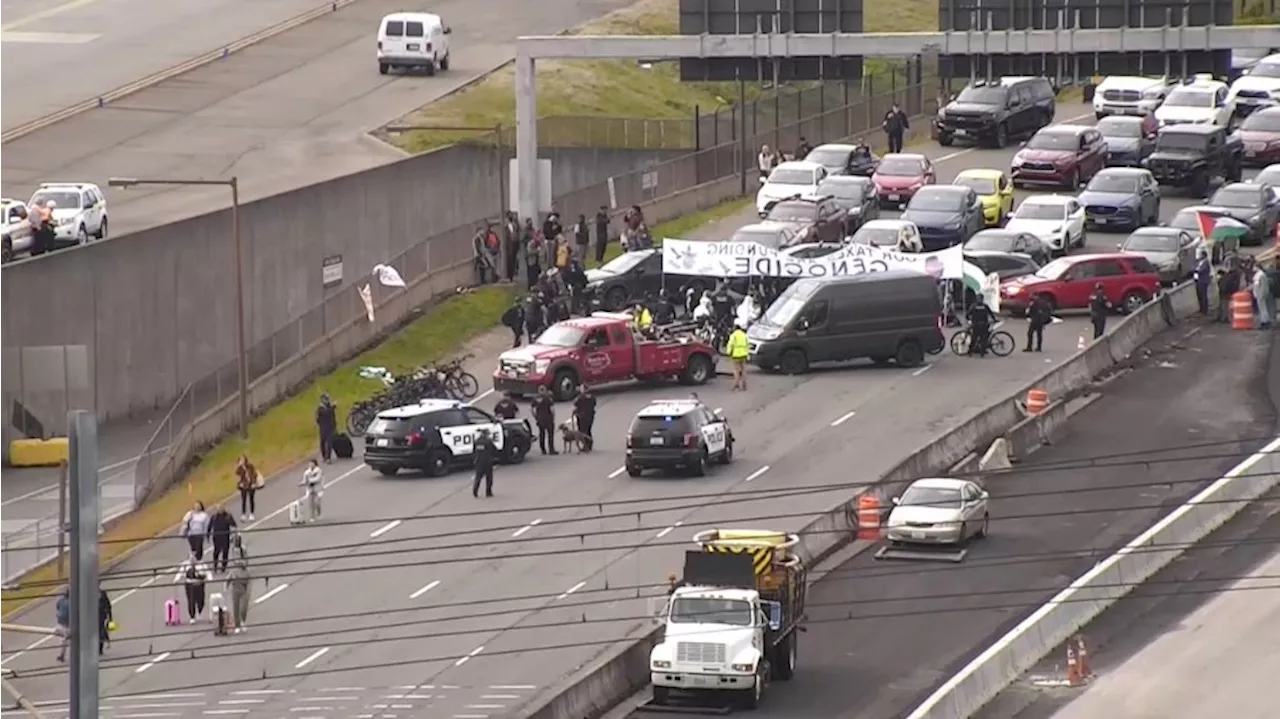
<point x="172" y="615"/>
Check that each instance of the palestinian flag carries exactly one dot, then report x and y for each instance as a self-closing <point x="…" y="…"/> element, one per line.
<point x="1216" y="228"/>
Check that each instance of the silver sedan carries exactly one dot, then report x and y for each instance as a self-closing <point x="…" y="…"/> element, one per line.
<point x="939" y="510"/>
<point x="1171" y="250"/>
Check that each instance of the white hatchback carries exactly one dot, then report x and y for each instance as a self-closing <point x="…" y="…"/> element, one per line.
<point x="1057" y="220"/>
<point x="79" y="211"/>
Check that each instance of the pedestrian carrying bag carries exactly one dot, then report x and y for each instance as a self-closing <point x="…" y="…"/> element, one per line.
<point x="258" y="481"/>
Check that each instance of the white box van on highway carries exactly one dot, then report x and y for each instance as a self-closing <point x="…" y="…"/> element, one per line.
<point x="413" y="40"/>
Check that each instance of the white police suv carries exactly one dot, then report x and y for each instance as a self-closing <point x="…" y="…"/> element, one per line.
<point x="678" y="434"/>
<point x="436" y="435"/>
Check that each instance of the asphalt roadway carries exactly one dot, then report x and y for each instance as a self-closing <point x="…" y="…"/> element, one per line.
<point x="54" y="51"/>
<point x="290" y="111"/>
<point x="456" y="608"/>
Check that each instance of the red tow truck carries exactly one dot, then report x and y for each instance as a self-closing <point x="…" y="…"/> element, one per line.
<point x="600" y="349"/>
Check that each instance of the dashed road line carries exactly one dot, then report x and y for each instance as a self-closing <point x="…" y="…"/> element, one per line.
<point x="512" y="687"/>
<point x="617" y="472"/>
<point x="384" y="528"/>
<point x="279" y="588"/>
<point x="425" y="589"/>
<point x="757" y="473"/>
<point x="669" y="530"/>
<point x="463" y="660"/>
<point x="259" y="692"/>
<point x="922" y="370"/>
<point x="572" y="589"/>
<point x="499" y="696"/>
<point x="843" y="418"/>
<point x="159" y="658"/>
<point x="233" y="702"/>
<point x="314" y="656"/>
<point x="526" y="528"/>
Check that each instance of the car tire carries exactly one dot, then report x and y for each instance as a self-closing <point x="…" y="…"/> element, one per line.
<point x="387" y="470"/>
<point x="698" y="371"/>
<point x="1132" y="301"/>
<point x="910" y="354"/>
<point x="1073" y="180"/>
<point x="1002" y="136"/>
<point x="634" y="470"/>
<point x="699" y="467"/>
<point x="794" y="361"/>
<point x="752" y="698"/>
<point x="726" y="457"/>
<point x="661" y="696"/>
<point x="444" y="64"/>
<point x="383" y="68"/>
<point x="438" y="463"/>
<point x="102" y="230"/>
<point x="985" y="530"/>
<point x="82" y="235"/>
<point x="615" y="299"/>
<point x="6" y="253"/>
<point x="785" y="669"/>
<point x="946" y="140"/>
<point x="516" y="452"/>
<point x="430" y="67"/>
<point x="564" y="386"/>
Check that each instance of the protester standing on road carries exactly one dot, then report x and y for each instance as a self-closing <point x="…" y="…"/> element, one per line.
<point x="1039" y="315"/>
<point x="803" y="148"/>
<point x="327" y="425"/>
<point x="738" y="350"/>
<point x="485" y="453"/>
<point x="193" y="574"/>
<point x="544" y="414"/>
<point x="766" y="161"/>
<point x="602" y="233"/>
<point x="247" y="481"/>
<point x="1099" y="308"/>
<point x="62" y="623"/>
<point x="1228" y="284"/>
<point x="895" y="127"/>
<point x="221" y="526"/>
<point x="1203" y="277"/>
<point x="513" y="319"/>
<point x="195" y="526"/>
<point x="1262" y="290"/>
<point x="584" y="411"/>
<point x="312" y="482"/>
<point x="106" y="617"/>
<point x="239" y="590"/>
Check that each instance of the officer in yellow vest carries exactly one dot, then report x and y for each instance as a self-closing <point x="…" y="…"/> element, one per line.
<point x="738" y="352"/>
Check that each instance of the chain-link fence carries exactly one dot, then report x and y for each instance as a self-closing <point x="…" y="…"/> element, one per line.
<point x="338" y="328"/>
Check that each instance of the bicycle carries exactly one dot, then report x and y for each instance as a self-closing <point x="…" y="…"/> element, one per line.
<point x="999" y="343"/>
<point x="457" y="380"/>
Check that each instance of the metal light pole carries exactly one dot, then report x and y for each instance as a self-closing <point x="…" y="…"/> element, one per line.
<point x="242" y="358"/>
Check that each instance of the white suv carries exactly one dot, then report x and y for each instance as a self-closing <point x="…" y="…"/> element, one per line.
<point x="79" y="211"/>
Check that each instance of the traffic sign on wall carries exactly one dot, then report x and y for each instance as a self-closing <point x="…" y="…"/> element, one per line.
<point x="746" y="17"/>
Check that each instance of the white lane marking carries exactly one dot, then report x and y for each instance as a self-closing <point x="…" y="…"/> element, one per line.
<point x="384" y="529"/>
<point x="224" y="712"/>
<point x="843" y="418"/>
<point x="922" y="370"/>
<point x="135" y="697"/>
<point x="339" y="689"/>
<point x="308" y="700"/>
<point x="408" y="696"/>
<point x="159" y="658"/>
<point x="757" y="473"/>
<point x="147" y="583"/>
<point x="486" y="706"/>
<point x="669" y="530"/>
<point x="425" y="589"/>
<point x="311" y="709"/>
<point x="279" y="588"/>
<point x="314" y="656"/>
<point x="718" y="410"/>
<point x="150" y="715"/>
<point x="616" y="472"/>
<point x="470" y="716"/>
<point x="234" y="702"/>
<point x="572" y="589"/>
<point x="463" y="660"/>
<point x="481" y="396"/>
<point x="258" y="692"/>
<point x="512" y="686"/>
<point x="526" y="528"/>
<point x="162" y="705"/>
<point x="499" y="696"/>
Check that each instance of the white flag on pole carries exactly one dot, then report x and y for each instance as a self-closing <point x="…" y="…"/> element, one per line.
<point x="387" y="276"/>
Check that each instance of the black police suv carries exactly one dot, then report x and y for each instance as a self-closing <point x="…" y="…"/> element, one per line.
<point x="678" y="434"/>
<point x="990" y="113"/>
<point x="436" y="435"/>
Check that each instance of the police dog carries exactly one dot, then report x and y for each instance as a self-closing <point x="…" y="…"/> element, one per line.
<point x="572" y="438"/>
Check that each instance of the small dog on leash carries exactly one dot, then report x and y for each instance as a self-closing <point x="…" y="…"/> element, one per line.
<point x="572" y="438"/>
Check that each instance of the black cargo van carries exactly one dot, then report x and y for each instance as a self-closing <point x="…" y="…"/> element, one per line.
<point x="884" y="316"/>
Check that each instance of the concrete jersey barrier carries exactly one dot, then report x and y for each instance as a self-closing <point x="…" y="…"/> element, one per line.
<point x="1104" y="585"/>
<point x="624" y="670"/>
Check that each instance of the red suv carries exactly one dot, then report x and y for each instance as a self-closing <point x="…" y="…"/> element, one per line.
<point x="1128" y="280"/>
<point x="1065" y="155"/>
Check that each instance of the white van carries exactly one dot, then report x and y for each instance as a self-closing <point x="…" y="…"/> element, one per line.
<point x="413" y="40"/>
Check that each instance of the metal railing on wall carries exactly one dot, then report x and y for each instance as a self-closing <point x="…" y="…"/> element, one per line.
<point x="819" y="114"/>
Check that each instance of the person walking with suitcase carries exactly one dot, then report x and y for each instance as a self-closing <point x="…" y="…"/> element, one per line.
<point x="312" y="481"/>
<point x="195" y="527"/>
<point x="194" y="575"/>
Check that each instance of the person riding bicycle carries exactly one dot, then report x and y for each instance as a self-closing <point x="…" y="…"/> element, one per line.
<point x="981" y="318"/>
<point x="312" y="480"/>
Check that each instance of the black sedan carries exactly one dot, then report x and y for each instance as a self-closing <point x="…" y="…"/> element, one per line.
<point x="1121" y="199"/>
<point x="624" y="279"/>
<point x="1253" y="204"/>
<point x="1006" y="265"/>
<point x="857" y="195"/>
<point x="1010" y="241"/>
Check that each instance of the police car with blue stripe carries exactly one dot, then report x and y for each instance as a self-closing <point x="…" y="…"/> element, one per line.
<point x="436" y="435"/>
<point x="678" y="434"/>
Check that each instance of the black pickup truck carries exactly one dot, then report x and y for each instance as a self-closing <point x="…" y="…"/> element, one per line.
<point x="1192" y="155"/>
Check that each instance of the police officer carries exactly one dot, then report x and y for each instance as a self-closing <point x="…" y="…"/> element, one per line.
<point x="584" y="411"/>
<point x="895" y="126"/>
<point x="506" y="407"/>
<point x="1039" y="315"/>
<point x="544" y="414"/>
<point x="738" y="351"/>
<point x="980" y="320"/>
<point x="1099" y="308"/>
<point x="485" y="453"/>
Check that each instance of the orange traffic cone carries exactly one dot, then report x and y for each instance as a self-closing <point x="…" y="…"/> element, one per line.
<point x="1073" y="666"/>
<point x="1082" y="656"/>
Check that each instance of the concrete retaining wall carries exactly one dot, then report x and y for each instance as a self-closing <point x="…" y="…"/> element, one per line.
<point x="163" y="300"/>
<point x="620" y="674"/>
<point x="1104" y="585"/>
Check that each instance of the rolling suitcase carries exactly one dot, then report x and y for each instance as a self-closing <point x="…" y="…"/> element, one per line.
<point x="343" y="447"/>
<point x="295" y="512"/>
<point x="172" y="614"/>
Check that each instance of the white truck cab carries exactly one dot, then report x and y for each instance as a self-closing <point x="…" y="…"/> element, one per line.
<point x="412" y="40"/>
<point x="731" y="628"/>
